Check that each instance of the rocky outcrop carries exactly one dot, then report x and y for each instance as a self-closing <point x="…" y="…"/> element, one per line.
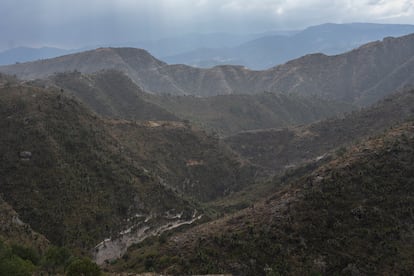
<point x="14" y="230"/>
<point x="113" y="248"/>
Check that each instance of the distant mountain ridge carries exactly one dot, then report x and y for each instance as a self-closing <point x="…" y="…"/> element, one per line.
<point x="129" y="60"/>
<point x="256" y="51"/>
<point x="355" y="77"/>
<point x="25" y="54"/>
<point x="268" y="51"/>
<point x="158" y="47"/>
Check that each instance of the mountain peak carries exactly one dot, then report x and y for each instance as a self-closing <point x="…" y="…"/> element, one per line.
<point x="127" y="60"/>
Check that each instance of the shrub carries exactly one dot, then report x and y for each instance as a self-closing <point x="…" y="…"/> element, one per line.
<point x="83" y="267"/>
<point x="26" y="253"/>
<point x="56" y="258"/>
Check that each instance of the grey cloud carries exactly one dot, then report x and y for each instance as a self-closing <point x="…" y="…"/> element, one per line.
<point x="80" y="22"/>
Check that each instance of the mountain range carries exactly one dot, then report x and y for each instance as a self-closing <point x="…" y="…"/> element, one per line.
<point x="361" y="76"/>
<point x="256" y="51"/>
<point x="305" y="168"/>
<point x="25" y="54"/>
<point x="112" y="94"/>
<point x="269" y="51"/>
<point x="159" y="47"/>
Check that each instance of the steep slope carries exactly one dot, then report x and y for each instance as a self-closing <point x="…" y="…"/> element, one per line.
<point x="268" y="51"/>
<point x="14" y="231"/>
<point x="346" y="77"/>
<point x="25" y="54"/>
<point x="86" y="182"/>
<point x="352" y="216"/>
<point x="68" y="178"/>
<point x="186" y="159"/>
<point x="7" y="80"/>
<point x="126" y="60"/>
<point x="278" y="149"/>
<point x="110" y="93"/>
<point x="401" y="78"/>
<point x="229" y="114"/>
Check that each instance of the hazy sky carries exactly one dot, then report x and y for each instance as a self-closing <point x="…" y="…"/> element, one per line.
<point x="75" y="23"/>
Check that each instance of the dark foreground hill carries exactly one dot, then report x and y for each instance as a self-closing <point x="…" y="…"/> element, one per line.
<point x="361" y="76"/>
<point x="79" y="180"/>
<point x="66" y="176"/>
<point x="351" y="216"/>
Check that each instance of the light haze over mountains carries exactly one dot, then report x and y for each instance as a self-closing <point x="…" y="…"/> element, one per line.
<point x="292" y="153"/>
<point x="255" y="51"/>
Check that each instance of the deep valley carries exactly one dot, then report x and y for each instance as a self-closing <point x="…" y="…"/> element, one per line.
<point x="114" y="162"/>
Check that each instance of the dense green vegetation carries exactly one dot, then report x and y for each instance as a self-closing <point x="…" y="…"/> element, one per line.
<point x="20" y="260"/>
<point x="17" y="260"/>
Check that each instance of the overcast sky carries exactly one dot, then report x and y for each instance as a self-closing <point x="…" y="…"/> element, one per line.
<point x="76" y="23"/>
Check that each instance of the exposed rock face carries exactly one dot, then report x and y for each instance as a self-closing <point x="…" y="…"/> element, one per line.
<point x="25" y="155"/>
<point x="113" y="248"/>
<point x="14" y="230"/>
